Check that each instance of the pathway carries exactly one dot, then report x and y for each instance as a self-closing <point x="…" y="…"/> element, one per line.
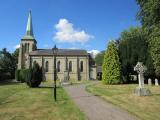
<point x="94" y="107"/>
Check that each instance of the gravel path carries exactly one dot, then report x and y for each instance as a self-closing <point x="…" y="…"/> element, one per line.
<point x="95" y="108"/>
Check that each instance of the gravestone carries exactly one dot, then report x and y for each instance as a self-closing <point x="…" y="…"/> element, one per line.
<point x="66" y="78"/>
<point x="141" y="90"/>
<point x="149" y="81"/>
<point x="156" y="82"/>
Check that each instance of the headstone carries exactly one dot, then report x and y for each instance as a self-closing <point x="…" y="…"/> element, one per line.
<point x="156" y="82"/>
<point x="141" y="90"/>
<point x="149" y="81"/>
<point x="66" y="78"/>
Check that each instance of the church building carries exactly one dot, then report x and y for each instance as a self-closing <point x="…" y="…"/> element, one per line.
<point x="71" y="64"/>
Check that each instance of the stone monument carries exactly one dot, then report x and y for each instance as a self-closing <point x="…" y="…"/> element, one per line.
<point x="156" y="82"/>
<point x="141" y="90"/>
<point x="66" y="78"/>
<point x="149" y="81"/>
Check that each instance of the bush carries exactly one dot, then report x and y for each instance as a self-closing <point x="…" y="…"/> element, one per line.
<point x="111" y="65"/>
<point x="34" y="76"/>
<point x="17" y="75"/>
<point x="28" y="76"/>
<point x="22" y="75"/>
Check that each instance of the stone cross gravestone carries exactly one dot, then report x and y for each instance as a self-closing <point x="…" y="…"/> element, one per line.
<point x="156" y="82"/>
<point x="149" y="81"/>
<point x="141" y="90"/>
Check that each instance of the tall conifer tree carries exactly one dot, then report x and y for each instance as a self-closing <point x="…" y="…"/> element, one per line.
<point x="111" y="65"/>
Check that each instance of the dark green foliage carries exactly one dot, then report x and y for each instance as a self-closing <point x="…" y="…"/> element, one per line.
<point x="17" y="75"/>
<point x="36" y="76"/>
<point x="111" y="65"/>
<point x="33" y="77"/>
<point x="133" y="47"/>
<point x="154" y="46"/>
<point x="28" y="77"/>
<point x="99" y="58"/>
<point x="15" y="57"/>
<point x="7" y="66"/>
<point x="22" y="75"/>
<point x="149" y="13"/>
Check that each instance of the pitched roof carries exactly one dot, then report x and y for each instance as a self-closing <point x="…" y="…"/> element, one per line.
<point x="66" y="52"/>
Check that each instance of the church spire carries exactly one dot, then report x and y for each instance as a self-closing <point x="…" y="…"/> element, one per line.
<point x="29" y="28"/>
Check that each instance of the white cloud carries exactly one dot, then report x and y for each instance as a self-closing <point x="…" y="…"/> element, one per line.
<point x="66" y="33"/>
<point x="16" y="46"/>
<point x="93" y="53"/>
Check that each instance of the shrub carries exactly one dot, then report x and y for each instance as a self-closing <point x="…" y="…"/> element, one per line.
<point x="34" y="76"/>
<point x="28" y="76"/>
<point x="111" y="65"/>
<point x="17" y="75"/>
<point x="22" y="75"/>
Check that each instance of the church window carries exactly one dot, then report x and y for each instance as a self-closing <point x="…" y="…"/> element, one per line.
<point x="81" y="66"/>
<point x="28" y="47"/>
<point x="25" y="47"/>
<point x="46" y="66"/>
<point x="58" y="66"/>
<point x="70" y="66"/>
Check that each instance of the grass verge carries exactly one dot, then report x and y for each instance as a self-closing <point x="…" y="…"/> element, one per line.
<point x="19" y="102"/>
<point x="145" y="108"/>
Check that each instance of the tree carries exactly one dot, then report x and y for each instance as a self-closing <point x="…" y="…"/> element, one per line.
<point x="154" y="45"/>
<point x="149" y="15"/>
<point x="133" y="47"/>
<point x="15" y="55"/>
<point x="99" y="58"/>
<point x="6" y="65"/>
<point x="111" y="65"/>
<point x="34" y="76"/>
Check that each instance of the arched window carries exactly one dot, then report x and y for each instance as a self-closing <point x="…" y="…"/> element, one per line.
<point x="46" y="66"/>
<point x="58" y="66"/>
<point x="70" y="66"/>
<point x="28" y="47"/>
<point x="25" y="47"/>
<point x="81" y="66"/>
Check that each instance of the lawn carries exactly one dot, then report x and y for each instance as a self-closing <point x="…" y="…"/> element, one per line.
<point x="145" y="108"/>
<point x="19" y="102"/>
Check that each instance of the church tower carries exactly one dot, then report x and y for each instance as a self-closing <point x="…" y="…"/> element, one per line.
<point x="28" y="44"/>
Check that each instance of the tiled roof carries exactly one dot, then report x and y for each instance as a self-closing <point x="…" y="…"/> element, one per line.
<point x="69" y="52"/>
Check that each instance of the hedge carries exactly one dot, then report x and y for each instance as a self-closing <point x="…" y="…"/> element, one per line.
<point x="33" y="77"/>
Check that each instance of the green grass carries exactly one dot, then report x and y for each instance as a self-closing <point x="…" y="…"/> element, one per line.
<point x="19" y="102"/>
<point x="145" y="108"/>
<point x="73" y="82"/>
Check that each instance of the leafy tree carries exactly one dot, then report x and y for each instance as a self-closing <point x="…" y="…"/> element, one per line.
<point x="149" y="15"/>
<point x="133" y="47"/>
<point x="7" y="67"/>
<point x="99" y="58"/>
<point x="15" y="55"/>
<point x="154" y="45"/>
<point x="111" y="65"/>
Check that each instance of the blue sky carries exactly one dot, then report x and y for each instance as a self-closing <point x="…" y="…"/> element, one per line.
<point x="87" y="24"/>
